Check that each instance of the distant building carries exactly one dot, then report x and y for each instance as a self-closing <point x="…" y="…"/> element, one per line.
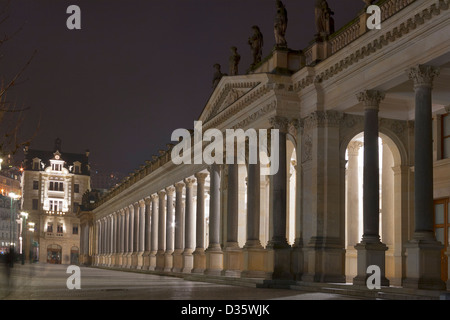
<point x="10" y="176"/>
<point x="6" y="234"/>
<point x="53" y="184"/>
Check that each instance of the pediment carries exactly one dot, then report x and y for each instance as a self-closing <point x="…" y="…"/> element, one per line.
<point x="228" y="92"/>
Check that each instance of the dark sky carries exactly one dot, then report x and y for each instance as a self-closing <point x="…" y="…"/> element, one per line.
<point x="137" y="70"/>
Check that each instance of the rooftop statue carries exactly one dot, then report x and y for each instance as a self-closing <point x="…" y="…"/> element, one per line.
<point x="256" y="43"/>
<point x="323" y="17"/>
<point x="234" y="61"/>
<point x="280" y="25"/>
<point x="217" y="75"/>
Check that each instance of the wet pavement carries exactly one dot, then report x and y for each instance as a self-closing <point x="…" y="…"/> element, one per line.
<point x="49" y="282"/>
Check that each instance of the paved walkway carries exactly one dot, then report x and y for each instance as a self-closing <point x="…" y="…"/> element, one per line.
<point x="48" y="282"/>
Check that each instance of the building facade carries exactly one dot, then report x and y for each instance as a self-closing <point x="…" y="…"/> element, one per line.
<point x="53" y="184"/>
<point x="363" y="178"/>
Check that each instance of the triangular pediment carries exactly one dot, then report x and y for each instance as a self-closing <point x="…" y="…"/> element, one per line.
<point x="229" y="91"/>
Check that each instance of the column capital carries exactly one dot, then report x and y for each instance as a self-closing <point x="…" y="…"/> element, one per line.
<point x="179" y="186"/>
<point x="280" y="123"/>
<point x="131" y="208"/>
<point x="353" y="148"/>
<point x="189" y="182"/>
<point x="147" y="200"/>
<point x="136" y="205"/>
<point x="423" y="75"/>
<point x="161" y="193"/>
<point x="170" y="190"/>
<point x="201" y="177"/>
<point x="154" y="197"/>
<point x="142" y="203"/>
<point x="371" y="98"/>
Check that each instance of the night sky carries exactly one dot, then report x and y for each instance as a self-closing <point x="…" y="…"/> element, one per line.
<point x="137" y="70"/>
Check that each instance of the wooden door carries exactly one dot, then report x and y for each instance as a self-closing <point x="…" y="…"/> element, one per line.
<point x="442" y="231"/>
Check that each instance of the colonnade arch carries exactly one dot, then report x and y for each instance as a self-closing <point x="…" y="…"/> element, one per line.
<point x="394" y="188"/>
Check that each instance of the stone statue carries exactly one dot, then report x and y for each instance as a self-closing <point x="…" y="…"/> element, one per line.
<point x="280" y="25"/>
<point x="323" y="18"/>
<point x="256" y="43"/>
<point x="217" y="75"/>
<point x="234" y="61"/>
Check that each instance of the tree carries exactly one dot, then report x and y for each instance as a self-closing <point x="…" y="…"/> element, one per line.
<point x="12" y="116"/>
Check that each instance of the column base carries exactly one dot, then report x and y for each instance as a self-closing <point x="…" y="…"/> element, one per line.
<point x="168" y="261"/>
<point x="177" y="260"/>
<point x="199" y="261"/>
<point x="368" y="254"/>
<point x="232" y="260"/>
<point x="129" y="264"/>
<point x="214" y="261"/>
<point x="188" y="261"/>
<point x="325" y="259"/>
<point x="140" y="260"/>
<point x="255" y="262"/>
<point x="297" y="261"/>
<point x="160" y="260"/>
<point x="152" y="261"/>
<point x="279" y="263"/>
<point x="351" y="264"/>
<point x="146" y="260"/>
<point x="423" y="263"/>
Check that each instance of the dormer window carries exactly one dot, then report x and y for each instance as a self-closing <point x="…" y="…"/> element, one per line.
<point x="56" y="166"/>
<point x="77" y="167"/>
<point x="36" y="163"/>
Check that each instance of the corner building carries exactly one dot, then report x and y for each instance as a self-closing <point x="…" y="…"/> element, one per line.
<point x="364" y="176"/>
<point x="53" y="184"/>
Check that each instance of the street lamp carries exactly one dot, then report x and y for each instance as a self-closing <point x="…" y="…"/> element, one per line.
<point x="31" y="229"/>
<point x="24" y="216"/>
<point x="13" y="196"/>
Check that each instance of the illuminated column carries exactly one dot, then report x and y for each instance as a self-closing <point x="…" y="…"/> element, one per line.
<point x="136" y="216"/>
<point x="121" y="237"/>
<point x="423" y="252"/>
<point x="126" y="236"/>
<point x="161" y="231"/>
<point x="214" y="254"/>
<point x="352" y="203"/>
<point x="188" y="260"/>
<point x="141" y="235"/>
<point x="130" y="236"/>
<point x="154" y="232"/>
<point x="232" y="257"/>
<point x="199" y="253"/>
<point x="179" y="223"/>
<point x="168" y="258"/>
<point x="278" y="246"/>
<point x="371" y="251"/>
<point x="147" y="234"/>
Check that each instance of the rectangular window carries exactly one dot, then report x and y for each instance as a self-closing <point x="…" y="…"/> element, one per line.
<point x="75" y="207"/>
<point x="35" y="165"/>
<point x="77" y="169"/>
<point x="49" y="227"/>
<point x="51" y="186"/>
<point x="35" y="204"/>
<point x="35" y="185"/>
<point x="446" y="136"/>
<point x="59" y="228"/>
<point x="76" y="188"/>
<point x="75" y="229"/>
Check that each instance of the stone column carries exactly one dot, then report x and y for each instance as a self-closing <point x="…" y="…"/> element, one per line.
<point x="254" y="255"/>
<point x="126" y="237"/>
<point x="214" y="254"/>
<point x="136" y="224"/>
<point x="130" y="236"/>
<point x="232" y="252"/>
<point x="297" y="257"/>
<point x="352" y="199"/>
<point x="188" y="260"/>
<point x="423" y="262"/>
<point x="278" y="246"/>
<point x="99" y="243"/>
<point x="115" y="238"/>
<point x="199" y="253"/>
<point x="154" y="232"/>
<point x="179" y="227"/>
<point x="168" y="262"/>
<point x="371" y="251"/>
<point x="147" y="234"/>
<point x="161" y="231"/>
<point x="141" y="235"/>
<point x="121" y="237"/>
